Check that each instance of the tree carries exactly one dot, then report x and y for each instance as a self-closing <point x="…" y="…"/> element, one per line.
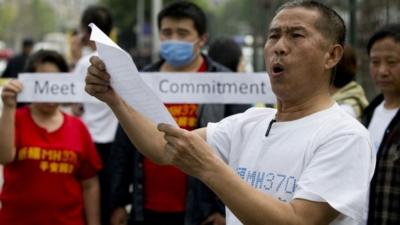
<point x="24" y="18"/>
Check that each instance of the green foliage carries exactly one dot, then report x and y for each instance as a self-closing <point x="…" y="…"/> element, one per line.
<point x="123" y="11"/>
<point x="8" y="14"/>
<point x="19" y="19"/>
<point x="44" y="15"/>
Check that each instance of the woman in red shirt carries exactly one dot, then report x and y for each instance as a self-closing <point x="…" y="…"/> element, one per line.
<point x="50" y="161"/>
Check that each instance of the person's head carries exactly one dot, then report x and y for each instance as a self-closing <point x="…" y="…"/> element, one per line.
<point x="226" y="52"/>
<point x="346" y="69"/>
<point x="27" y="46"/>
<point x="183" y="32"/>
<point x="46" y="61"/>
<point x="98" y="15"/>
<point x="384" y="53"/>
<point x="304" y="44"/>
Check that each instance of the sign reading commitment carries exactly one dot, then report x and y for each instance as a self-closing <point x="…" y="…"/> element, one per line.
<point x="211" y="87"/>
<point x="224" y="88"/>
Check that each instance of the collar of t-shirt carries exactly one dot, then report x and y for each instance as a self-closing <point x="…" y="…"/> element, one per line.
<point x="203" y="66"/>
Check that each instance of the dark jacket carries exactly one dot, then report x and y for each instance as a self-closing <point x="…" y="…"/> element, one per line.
<point x="15" y="66"/>
<point x="126" y="167"/>
<point x="384" y="200"/>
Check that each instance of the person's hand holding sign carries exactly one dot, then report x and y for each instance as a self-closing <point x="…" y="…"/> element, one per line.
<point x="9" y="93"/>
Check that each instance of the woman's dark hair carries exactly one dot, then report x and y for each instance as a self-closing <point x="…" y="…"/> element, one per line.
<point x="346" y="69"/>
<point x="46" y="56"/>
<point x="225" y="51"/>
<point x="98" y="15"/>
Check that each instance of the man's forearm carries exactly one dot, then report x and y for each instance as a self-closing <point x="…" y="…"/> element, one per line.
<point x="141" y="131"/>
<point x="250" y="206"/>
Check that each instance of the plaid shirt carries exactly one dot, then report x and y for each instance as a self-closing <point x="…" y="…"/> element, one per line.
<point x="384" y="200"/>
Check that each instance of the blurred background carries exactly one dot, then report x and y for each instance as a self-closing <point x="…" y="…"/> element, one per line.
<point x="52" y="24"/>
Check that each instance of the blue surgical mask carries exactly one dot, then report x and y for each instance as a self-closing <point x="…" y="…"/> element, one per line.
<point x="177" y="53"/>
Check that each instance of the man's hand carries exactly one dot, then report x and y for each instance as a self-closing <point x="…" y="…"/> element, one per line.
<point x="188" y="151"/>
<point x="119" y="216"/>
<point x="9" y="93"/>
<point x="98" y="82"/>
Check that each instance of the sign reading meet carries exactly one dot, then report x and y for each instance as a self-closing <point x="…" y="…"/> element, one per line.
<point x="51" y="87"/>
<point x="170" y="87"/>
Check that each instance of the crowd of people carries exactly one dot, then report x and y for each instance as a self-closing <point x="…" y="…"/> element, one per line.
<point x="322" y="155"/>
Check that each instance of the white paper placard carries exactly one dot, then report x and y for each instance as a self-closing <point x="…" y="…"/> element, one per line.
<point x="227" y="87"/>
<point x="224" y="88"/>
<point x="51" y="87"/>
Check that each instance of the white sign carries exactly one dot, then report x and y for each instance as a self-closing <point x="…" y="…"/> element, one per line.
<point x="51" y="87"/>
<point x="224" y="87"/>
<point x="246" y="88"/>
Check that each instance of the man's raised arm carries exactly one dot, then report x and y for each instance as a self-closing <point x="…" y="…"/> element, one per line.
<point x="141" y="131"/>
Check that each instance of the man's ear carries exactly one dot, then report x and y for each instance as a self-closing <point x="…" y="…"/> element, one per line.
<point x="203" y="40"/>
<point x="333" y="56"/>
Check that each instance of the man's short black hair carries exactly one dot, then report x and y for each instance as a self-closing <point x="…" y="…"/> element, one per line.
<point x="98" y="15"/>
<point x="225" y="51"/>
<point x="389" y="30"/>
<point x="27" y="43"/>
<point x="46" y="56"/>
<point x="330" y="24"/>
<point x="185" y="10"/>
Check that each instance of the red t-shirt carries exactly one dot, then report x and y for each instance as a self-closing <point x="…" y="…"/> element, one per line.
<point x="165" y="187"/>
<point x="43" y="184"/>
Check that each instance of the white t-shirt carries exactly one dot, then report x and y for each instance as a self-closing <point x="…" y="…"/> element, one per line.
<point x="97" y="116"/>
<point x="379" y="122"/>
<point x="324" y="157"/>
<point x="349" y="109"/>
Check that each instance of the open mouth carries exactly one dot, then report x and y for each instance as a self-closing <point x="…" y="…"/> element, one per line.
<point x="277" y="68"/>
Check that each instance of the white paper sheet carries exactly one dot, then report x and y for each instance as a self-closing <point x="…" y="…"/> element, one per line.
<point x="125" y="79"/>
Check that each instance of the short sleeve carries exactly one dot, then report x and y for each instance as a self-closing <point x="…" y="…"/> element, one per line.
<point x="91" y="162"/>
<point x="219" y="135"/>
<point x="339" y="173"/>
<point x="349" y="109"/>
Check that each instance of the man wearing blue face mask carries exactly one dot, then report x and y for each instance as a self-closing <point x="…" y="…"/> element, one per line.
<point x="177" y="53"/>
<point x="163" y="194"/>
